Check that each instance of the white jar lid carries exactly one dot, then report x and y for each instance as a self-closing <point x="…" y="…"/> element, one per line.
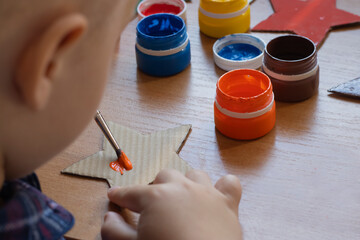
<point x="145" y="4"/>
<point x="231" y="61"/>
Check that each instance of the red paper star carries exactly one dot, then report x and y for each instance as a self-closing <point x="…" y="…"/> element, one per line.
<point x="309" y="18"/>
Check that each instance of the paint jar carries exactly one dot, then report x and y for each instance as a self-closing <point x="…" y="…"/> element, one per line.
<point x="218" y="18"/>
<point x="244" y="106"/>
<point x="162" y="45"/>
<point x="291" y="63"/>
<point x="150" y="7"/>
<point x="238" y="51"/>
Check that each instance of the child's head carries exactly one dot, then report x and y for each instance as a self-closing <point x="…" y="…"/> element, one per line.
<point x="54" y="61"/>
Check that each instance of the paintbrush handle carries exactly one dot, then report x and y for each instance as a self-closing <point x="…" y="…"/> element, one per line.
<point x="105" y="129"/>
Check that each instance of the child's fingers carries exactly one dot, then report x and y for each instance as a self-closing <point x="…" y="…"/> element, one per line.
<point x="168" y="175"/>
<point x="115" y="227"/>
<point x="199" y="177"/>
<point x="134" y="197"/>
<point x="230" y="186"/>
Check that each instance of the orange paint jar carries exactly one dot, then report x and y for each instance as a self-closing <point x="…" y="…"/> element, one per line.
<point x="244" y="106"/>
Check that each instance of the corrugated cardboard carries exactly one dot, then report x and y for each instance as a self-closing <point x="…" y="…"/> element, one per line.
<point x="148" y="153"/>
<point x="311" y="19"/>
<point x="348" y="89"/>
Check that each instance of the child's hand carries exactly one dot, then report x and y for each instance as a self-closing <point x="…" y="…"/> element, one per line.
<point x="178" y="207"/>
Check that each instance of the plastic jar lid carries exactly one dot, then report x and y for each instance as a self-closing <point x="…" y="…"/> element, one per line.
<point x="238" y="51"/>
<point x="150" y="7"/>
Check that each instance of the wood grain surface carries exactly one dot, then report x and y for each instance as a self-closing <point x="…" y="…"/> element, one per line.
<point x="300" y="181"/>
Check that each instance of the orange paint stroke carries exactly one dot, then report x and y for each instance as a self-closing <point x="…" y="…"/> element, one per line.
<point x="116" y="166"/>
<point x="121" y="164"/>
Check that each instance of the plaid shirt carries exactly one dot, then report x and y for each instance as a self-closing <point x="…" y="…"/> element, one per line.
<point x="26" y="213"/>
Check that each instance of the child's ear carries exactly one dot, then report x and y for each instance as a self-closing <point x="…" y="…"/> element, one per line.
<point x="41" y="57"/>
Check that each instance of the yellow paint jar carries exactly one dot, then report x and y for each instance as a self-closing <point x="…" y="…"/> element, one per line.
<point x="218" y="18"/>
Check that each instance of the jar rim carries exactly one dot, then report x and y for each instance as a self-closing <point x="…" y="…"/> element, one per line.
<point x="251" y="93"/>
<point x="306" y="40"/>
<point x="148" y="3"/>
<point x="158" y="15"/>
<point x="220" y="6"/>
<point x="251" y="72"/>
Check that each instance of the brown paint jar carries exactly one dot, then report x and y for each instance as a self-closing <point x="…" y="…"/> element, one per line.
<point x="290" y="61"/>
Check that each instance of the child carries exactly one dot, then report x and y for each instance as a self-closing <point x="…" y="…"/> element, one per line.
<point x="55" y="59"/>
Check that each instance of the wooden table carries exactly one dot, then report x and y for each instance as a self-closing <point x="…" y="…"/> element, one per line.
<point x="300" y="181"/>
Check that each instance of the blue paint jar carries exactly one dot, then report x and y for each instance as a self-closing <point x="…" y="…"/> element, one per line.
<point x="162" y="45"/>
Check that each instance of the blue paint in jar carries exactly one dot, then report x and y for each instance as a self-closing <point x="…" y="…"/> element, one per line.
<point x="162" y="45"/>
<point x="239" y="52"/>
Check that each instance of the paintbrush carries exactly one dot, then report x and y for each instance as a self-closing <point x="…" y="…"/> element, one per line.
<point x="123" y="160"/>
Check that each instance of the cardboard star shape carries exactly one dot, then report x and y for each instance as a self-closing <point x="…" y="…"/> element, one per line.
<point x="348" y="89"/>
<point x="309" y="18"/>
<point x="148" y="153"/>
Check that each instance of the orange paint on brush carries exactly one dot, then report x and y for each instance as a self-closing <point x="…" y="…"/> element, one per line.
<point x="121" y="164"/>
<point x="125" y="161"/>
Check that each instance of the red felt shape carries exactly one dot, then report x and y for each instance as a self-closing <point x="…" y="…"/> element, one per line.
<point x="309" y="18"/>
